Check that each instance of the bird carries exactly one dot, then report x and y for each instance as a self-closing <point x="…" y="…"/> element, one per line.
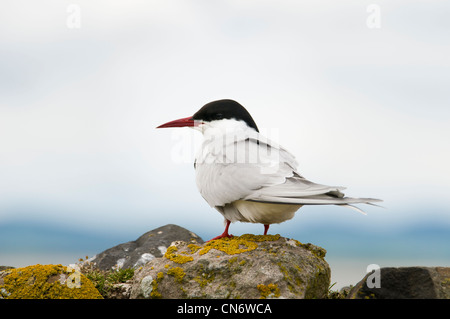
<point x="247" y="177"/>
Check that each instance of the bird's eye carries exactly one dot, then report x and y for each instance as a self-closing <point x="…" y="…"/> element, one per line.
<point x="219" y="116"/>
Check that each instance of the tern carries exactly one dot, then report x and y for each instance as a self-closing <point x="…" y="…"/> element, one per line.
<point x="247" y="177"/>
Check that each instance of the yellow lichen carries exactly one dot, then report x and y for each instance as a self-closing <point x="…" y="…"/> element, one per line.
<point x="177" y="272"/>
<point x="194" y="248"/>
<point x="204" y="279"/>
<point x="47" y="282"/>
<point x="179" y="259"/>
<point x="284" y="271"/>
<point x="260" y="238"/>
<point x="271" y="290"/>
<point x="155" y="293"/>
<point x="237" y="245"/>
<point x="315" y="250"/>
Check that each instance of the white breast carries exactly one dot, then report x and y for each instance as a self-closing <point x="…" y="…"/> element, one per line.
<point x="264" y="213"/>
<point x="235" y="161"/>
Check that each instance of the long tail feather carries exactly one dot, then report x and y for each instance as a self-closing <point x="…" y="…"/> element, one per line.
<point x="359" y="210"/>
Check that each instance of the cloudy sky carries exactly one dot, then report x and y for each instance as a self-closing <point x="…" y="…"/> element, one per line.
<point x="356" y="90"/>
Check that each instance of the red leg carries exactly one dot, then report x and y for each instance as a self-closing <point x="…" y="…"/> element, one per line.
<point x="266" y="228"/>
<point x="225" y="233"/>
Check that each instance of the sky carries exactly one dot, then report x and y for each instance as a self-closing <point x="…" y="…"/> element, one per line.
<point x="356" y="90"/>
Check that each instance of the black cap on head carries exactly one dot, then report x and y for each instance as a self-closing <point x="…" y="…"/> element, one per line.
<point x="225" y="109"/>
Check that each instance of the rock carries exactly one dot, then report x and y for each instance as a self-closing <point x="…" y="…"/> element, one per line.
<point x="248" y="266"/>
<point x="344" y="291"/>
<point x="406" y="283"/>
<point x="151" y="245"/>
<point x="46" y="282"/>
<point x="119" y="291"/>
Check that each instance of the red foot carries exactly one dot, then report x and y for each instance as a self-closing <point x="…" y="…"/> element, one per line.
<point x="266" y="228"/>
<point x="220" y="236"/>
<point x="225" y="233"/>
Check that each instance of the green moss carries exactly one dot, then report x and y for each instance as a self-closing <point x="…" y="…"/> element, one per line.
<point x="271" y="290"/>
<point x="99" y="279"/>
<point x="335" y="294"/>
<point x="319" y="277"/>
<point x="292" y="277"/>
<point x="47" y="282"/>
<point x="120" y="275"/>
<point x="284" y="271"/>
<point x="317" y="251"/>
<point x="105" y="280"/>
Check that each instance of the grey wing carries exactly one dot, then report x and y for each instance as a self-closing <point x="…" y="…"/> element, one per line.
<point x="298" y="190"/>
<point x="271" y="178"/>
<point x="295" y="189"/>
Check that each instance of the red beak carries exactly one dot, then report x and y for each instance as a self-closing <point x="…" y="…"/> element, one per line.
<point x="187" y="121"/>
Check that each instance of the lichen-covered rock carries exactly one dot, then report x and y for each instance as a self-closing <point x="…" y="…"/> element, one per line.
<point x="152" y="244"/>
<point x="46" y="282"/>
<point x="248" y="266"/>
<point x="406" y="283"/>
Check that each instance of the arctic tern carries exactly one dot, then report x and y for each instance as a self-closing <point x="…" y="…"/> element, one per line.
<point x="248" y="178"/>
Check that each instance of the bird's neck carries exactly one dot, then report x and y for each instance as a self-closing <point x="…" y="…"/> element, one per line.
<point x="215" y="129"/>
<point x="218" y="136"/>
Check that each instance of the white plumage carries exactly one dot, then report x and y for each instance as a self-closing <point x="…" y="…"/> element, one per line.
<point x="248" y="178"/>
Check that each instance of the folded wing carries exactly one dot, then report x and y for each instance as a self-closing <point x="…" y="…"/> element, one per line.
<point x="249" y="167"/>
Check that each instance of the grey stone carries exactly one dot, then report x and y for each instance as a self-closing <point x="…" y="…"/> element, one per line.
<point x="248" y="266"/>
<point x="406" y="283"/>
<point x="150" y="245"/>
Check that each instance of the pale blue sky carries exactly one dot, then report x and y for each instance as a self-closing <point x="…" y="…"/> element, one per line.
<point x="359" y="107"/>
